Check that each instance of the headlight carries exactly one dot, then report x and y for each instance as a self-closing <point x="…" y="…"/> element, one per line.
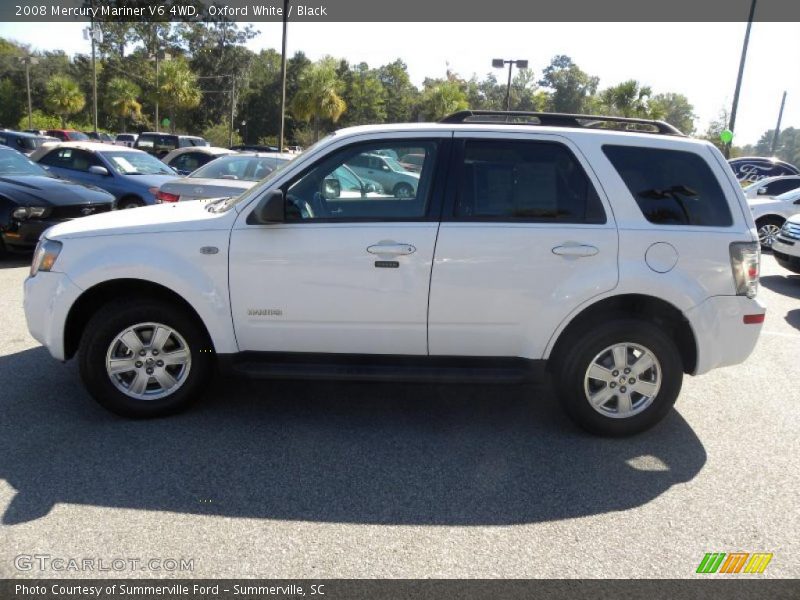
<point x="45" y="255"/>
<point x="26" y="212"/>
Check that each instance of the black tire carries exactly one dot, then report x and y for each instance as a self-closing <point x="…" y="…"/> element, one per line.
<point x="578" y="354"/>
<point x="403" y="190"/>
<point x="765" y="222"/>
<point x="129" y="202"/>
<point x="109" y="322"/>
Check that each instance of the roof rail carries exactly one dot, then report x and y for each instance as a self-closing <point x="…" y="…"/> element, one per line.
<point x="515" y="117"/>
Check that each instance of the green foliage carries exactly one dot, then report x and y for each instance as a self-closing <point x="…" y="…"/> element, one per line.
<point x="627" y="99"/>
<point x="122" y="98"/>
<point x="64" y="97"/>
<point x="40" y="121"/>
<point x="675" y="109"/>
<point x="218" y="135"/>
<point x="177" y="88"/>
<point x="363" y="94"/>
<point x="318" y="96"/>
<point x="12" y="105"/>
<point x="442" y="98"/>
<point x="571" y="88"/>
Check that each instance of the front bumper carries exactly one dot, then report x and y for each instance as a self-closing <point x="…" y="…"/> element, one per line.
<point x="48" y="299"/>
<point x="787" y="253"/>
<point x="722" y="336"/>
<point x="24" y="235"/>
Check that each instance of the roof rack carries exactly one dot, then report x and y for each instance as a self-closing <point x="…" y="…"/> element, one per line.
<point x="513" y="117"/>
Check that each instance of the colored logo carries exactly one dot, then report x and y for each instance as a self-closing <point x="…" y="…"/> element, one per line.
<point x="734" y="562"/>
<point x="751" y="169"/>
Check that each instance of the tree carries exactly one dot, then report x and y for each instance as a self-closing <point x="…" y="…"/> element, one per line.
<point x="318" y="98"/>
<point x="39" y="120"/>
<point x="675" y="109"/>
<point x="627" y="99"/>
<point x="716" y="127"/>
<point x="122" y="98"/>
<point x="64" y="97"/>
<point x="442" y="98"/>
<point x="571" y="87"/>
<point x="217" y="135"/>
<point x="364" y="95"/>
<point x="400" y="92"/>
<point x="178" y="89"/>
<point x="11" y="102"/>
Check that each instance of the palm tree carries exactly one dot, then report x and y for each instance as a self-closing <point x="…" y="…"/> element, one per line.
<point x="177" y="89"/>
<point x="318" y="96"/>
<point x="122" y="100"/>
<point x="443" y="99"/>
<point x="64" y="97"/>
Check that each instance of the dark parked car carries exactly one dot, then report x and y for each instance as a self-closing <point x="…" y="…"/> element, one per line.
<point x="131" y="175"/>
<point x="23" y="142"/>
<point x="31" y="200"/>
<point x="254" y="148"/>
<point x="161" y="144"/>
<point x="100" y="136"/>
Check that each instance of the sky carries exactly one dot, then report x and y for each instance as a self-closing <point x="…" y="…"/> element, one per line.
<point x="699" y="60"/>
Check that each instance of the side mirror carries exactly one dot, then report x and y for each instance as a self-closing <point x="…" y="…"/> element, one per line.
<point x="331" y="188"/>
<point x="98" y="170"/>
<point x="796" y="201"/>
<point x="762" y="191"/>
<point x="270" y="209"/>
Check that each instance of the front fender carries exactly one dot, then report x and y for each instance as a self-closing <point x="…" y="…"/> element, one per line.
<point x="172" y="260"/>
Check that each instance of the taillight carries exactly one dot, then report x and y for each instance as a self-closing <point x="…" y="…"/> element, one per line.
<point x="745" y="262"/>
<point x="167" y="197"/>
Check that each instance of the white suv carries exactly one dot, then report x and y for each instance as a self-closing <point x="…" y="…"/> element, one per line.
<point x="616" y="261"/>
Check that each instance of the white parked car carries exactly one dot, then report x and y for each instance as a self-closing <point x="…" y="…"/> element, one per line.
<point x="786" y="247"/>
<point x="770" y="213"/>
<point x="389" y="173"/>
<point x="613" y="261"/>
<point x="772" y="186"/>
<point x="228" y="175"/>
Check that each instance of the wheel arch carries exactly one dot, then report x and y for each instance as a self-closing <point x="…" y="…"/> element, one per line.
<point x="650" y="308"/>
<point x="102" y="293"/>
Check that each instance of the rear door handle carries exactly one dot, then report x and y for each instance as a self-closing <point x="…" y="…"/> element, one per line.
<point x="576" y="250"/>
<point x="391" y="249"/>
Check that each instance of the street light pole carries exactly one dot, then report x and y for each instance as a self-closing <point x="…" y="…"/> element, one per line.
<point x="499" y="63"/>
<point x="28" y="61"/>
<point x="94" y="70"/>
<point x="735" y="107"/>
<point x="778" y="126"/>
<point x="283" y="74"/>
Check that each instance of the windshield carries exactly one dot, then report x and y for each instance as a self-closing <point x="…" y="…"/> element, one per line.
<point x="242" y="168"/>
<point x="77" y="136"/>
<point x="137" y="163"/>
<point x="394" y="165"/>
<point x="14" y="163"/>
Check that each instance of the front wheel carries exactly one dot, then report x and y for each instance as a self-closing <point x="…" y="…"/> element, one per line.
<point x="127" y="203"/>
<point x="144" y="361"/>
<point x="403" y="190"/>
<point x="768" y="230"/>
<point x="619" y="378"/>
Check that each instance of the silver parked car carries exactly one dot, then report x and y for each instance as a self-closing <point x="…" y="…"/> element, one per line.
<point x="225" y="176"/>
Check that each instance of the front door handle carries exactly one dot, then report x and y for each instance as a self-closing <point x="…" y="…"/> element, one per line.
<point x="391" y="248"/>
<point x="575" y="250"/>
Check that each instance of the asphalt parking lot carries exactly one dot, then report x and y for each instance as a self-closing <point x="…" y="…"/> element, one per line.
<point x="297" y="479"/>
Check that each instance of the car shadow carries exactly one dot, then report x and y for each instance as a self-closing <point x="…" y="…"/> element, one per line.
<point x="788" y="285"/>
<point x="327" y="452"/>
<point x="14" y="261"/>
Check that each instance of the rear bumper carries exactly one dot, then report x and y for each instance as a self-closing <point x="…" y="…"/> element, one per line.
<point x="48" y="298"/>
<point x="722" y="336"/>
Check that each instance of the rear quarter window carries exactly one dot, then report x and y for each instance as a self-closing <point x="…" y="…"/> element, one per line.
<point x="671" y="187"/>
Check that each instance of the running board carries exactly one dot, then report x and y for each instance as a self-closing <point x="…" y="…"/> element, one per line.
<point x="349" y="367"/>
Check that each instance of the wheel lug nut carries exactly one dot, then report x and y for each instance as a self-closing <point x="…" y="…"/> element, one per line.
<point x="631" y="381"/>
<point x="155" y="352"/>
<point x="139" y="364"/>
<point x="612" y="385"/>
<point x="623" y="389"/>
<point x="615" y="373"/>
<point x="159" y="363"/>
<point x="142" y="353"/>
<point x="149" y="370"/>
<point x="627" y="371"/>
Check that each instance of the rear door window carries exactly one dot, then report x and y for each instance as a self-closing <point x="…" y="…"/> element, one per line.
<point x="671" y="187"/>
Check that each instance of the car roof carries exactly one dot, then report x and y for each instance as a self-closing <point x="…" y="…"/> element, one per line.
<point x="23" y="134"/>
<point x="88" y="146"/>
<point x="178" y="135"/>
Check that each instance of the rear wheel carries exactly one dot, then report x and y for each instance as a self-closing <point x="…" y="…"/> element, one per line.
<point x="619" y="378"/>
<point x="768" y="229"/>
<point x="403" y="190"/>
<point x="144" y="361"/>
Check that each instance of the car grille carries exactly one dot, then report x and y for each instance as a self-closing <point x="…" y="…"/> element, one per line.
<point x="77" y="210"/>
